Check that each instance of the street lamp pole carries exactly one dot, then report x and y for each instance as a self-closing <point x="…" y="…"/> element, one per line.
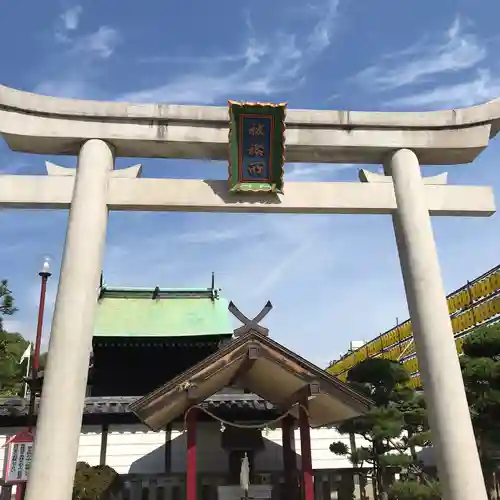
<point x="35" y="365"/>
<point x="44" y="275"/>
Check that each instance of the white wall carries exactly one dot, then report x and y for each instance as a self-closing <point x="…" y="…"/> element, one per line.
<point x="90" y="445"/>
<point x="322" y="457"/>
<point x="135" y="449"/>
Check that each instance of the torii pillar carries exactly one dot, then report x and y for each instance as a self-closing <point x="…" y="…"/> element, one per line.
<point x="58" y="425"/>
<point x="460" y="471"/>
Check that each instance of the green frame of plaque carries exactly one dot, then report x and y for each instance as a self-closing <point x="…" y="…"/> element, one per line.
<point x="274" y="114"/>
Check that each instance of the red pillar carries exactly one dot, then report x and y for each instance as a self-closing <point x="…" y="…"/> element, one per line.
<point x="289" y="457"/>
<point x="305" y="448"/>
<point x="191" y="476"/>
<point x="20" y="491"/>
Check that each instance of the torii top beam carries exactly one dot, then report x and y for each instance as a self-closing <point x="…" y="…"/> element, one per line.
<point x="39" y="124"/>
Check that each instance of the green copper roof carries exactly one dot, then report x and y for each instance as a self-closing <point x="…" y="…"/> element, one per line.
<point x="162" y="312"/>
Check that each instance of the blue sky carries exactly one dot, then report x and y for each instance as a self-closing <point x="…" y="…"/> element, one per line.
<point x="331" y="279"/>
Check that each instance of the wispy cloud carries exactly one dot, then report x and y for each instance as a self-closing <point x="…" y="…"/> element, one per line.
<point x="264" y="66"/>
<point x="68" y="22"/>
<point x="483" y="86"/>
<point x="67" y="79"/>
<point x="425" y="60"/>
<point x="218" y="235"/>
<point x="251" y="254"/>
<point x="436" y="72"/>
<point x="320" y="37"/>
<point x="100" y="43"/>
<point x="71" y="17"/>
<point x="302" y="243"/>
<point x="195" y="60"/>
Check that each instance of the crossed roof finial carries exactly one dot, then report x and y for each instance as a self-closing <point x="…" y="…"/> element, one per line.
<point x="250" y="324"/>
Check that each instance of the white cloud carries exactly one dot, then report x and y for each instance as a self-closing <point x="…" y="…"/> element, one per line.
<point x="264" y="69"/>
<point x="424" y="61"/>
<point x="482" y="87"/>
<point x="320" y="37"/>
<point x="67" y="23"/>
<point x="101" y="43"/>
<point x="450" y="71"/>
<point x="67" y="79"/>
<point x="264" y="66"/>
<point x="71" y="17"/>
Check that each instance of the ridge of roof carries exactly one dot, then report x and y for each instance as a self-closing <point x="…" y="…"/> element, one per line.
<point x="158" y="293"/>
<point x="106" y="291"/>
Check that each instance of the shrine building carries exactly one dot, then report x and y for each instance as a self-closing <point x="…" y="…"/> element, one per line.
<point x="177" y="397"/>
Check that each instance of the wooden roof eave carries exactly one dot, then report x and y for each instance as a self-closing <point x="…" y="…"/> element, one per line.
<point x="257" y="362"/>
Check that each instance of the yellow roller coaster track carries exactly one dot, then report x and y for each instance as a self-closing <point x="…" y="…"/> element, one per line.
<point x="475" y="304"/>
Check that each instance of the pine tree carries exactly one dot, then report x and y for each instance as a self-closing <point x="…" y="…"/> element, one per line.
<point x="393" y="427"/>
<point x="481" y="373"/>
<point x="6" y="302"/>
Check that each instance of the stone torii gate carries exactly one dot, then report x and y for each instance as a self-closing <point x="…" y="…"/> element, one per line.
<point x="97" y="132"/>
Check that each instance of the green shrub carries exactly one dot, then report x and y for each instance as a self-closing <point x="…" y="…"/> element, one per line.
<point x="95" y="483"/>
<point x="413" y="490"/>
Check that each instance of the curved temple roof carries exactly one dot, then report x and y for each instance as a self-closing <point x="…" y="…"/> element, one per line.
<point x="49" y="125"/>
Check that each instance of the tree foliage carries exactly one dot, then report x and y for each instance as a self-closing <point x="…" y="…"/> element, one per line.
<point x="415" y="490"/>
<point x="7" y="307"/>
<point x="481" y="373"/>
<point x="42" y="361"/>
<point x="96" y="483"/>
<point x="12" y="346"/>
<point x="395" y="424"/>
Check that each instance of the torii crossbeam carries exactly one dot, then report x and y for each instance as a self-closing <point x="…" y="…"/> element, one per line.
<point x="126" y="193"/>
